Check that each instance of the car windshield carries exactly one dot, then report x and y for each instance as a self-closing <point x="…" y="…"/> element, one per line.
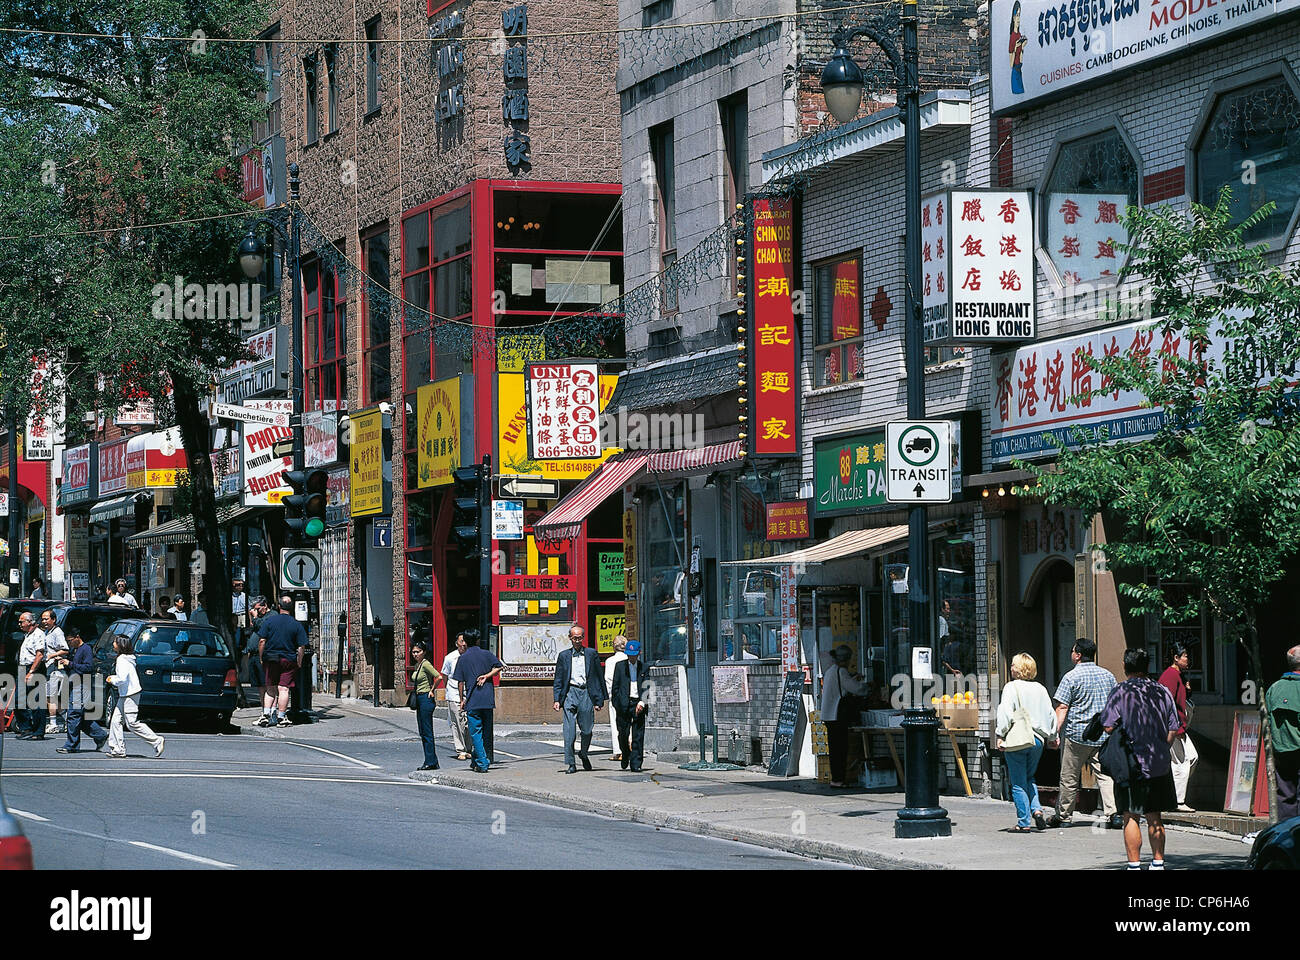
<point x="178" y="641"/>
<point x="91" y="623"/>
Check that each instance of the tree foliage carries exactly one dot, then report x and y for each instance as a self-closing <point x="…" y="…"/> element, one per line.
<point x="1213" y="499"/>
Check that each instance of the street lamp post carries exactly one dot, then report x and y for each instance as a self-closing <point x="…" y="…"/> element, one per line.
<point x="842" y="85"/>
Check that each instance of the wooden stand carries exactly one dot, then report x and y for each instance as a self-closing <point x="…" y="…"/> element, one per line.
<point x="868" y="732"/>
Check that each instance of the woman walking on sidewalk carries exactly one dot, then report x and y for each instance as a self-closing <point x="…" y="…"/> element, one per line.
<point x="425" y="677"/>
<point x="126" y="682"/>
<point x="1026" y="722"/>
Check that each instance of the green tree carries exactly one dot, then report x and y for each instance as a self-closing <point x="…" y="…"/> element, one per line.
<point x="137" y="131"/>
<point x="1213" y="500"/>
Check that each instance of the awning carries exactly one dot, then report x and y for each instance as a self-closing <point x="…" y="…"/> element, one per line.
<point x="564" y="521"/>
<point x="698" y="459"/>
<point x="665" y="383"/>
<point x="182" y="530"/>
<point x="122" y="508"/>
<point x="845" y="545"/>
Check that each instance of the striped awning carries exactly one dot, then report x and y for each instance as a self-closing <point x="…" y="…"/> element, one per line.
<point x="697" y="459"/>
<point x="564" y="521"/>
<point x="181" y="530"/>
<point x="845" y="545"/>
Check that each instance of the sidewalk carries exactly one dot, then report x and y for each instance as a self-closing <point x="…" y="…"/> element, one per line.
<point x="796" y="815"/>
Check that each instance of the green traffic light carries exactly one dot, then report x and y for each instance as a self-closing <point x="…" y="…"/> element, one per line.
<point x="315" y="527"/>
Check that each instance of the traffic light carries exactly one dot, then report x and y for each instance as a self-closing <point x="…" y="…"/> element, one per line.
<point x="471" y="490"/>
<point x="304" y="509"/>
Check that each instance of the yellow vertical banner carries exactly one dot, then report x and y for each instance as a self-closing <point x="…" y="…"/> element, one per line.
<point x="366" y="493"/>
<point x="437" y="432"/>
<point x="629" y="550"/>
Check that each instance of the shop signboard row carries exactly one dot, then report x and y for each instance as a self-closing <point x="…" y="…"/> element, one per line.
<point x="1044" y="48"/>
<point x="260" y="374"/>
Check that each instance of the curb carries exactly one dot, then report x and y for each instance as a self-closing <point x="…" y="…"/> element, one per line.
<point x="818" y="849"/>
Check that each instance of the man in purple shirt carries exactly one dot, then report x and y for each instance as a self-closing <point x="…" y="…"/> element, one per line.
<point x="1149" y="719"/>
<point x="80" y="694"/>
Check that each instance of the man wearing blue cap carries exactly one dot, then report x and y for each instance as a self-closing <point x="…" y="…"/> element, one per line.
<point x="629" y="695"/>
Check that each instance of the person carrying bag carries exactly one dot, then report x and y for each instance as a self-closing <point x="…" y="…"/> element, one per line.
<point x="1026" y="722"/>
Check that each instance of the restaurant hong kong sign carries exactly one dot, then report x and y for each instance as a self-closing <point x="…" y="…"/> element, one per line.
<point x="773" y="387"/>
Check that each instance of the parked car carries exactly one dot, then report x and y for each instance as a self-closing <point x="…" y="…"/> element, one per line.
<point x="1277" y="848"/>
<point x="92" y="619"/>
<point x="15" y="848"/>
<point x="11" y="638"/>
<point x="186" y="670"/>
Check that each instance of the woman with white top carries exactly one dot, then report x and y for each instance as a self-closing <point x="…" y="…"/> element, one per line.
<point x="1022" y="762"/>
<point x="126" y="681"/>
<point x="836" y="684"/>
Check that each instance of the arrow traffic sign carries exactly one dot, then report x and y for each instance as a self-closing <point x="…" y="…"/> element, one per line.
<point x="530" y="488"/>
<point x="300" y="568"/>
<point x="282" y="448"/>
<point x="918" y="461"/>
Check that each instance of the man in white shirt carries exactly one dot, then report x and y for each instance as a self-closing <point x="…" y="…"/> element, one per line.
<point x="456" y="716"/>
<point x="57" y="658"/>
<point x="31" y="655"/>
<point x="120" y="598"/>
<point x="177" y="609"/>
<point x="611" y="662"/>
<point x="580" y="687"/>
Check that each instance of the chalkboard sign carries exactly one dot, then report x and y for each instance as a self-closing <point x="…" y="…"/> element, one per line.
<point x="789" y="728"/>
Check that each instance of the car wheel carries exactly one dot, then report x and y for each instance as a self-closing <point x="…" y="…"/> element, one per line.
<point x="219" y="722"/>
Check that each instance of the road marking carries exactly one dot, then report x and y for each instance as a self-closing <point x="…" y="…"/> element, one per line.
<point x="214" y="776"/>
<point x="178" y="853"/>
<point x="341" y="756"/>
<point x="252" y="763"/>
<point x="512" y="756"/>
<point x="29" y="816"/>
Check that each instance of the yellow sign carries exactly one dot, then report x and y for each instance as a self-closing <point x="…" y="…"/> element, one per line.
<point x="630" y="617"/>
<point x="629" y="550"/>
<point x="512" y="446"/>
<point x="609" y="626"/>
<point x="438" y="433"/>
<point x="516" y="349"/>
<point x="366" y="487"/>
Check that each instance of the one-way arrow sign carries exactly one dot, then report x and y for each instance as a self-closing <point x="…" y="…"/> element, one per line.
<point x="282" y="448"/>
<point x="534" y="488"/>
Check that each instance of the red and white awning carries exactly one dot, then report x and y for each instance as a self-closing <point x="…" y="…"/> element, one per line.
<point x="564" y="520"/>
<point x="696" y="459"/>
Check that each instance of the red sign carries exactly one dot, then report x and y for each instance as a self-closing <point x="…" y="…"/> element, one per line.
<point x="788" y="520"/>
<point x="112" y="467"/>
<point x="773" y="428"/>
<point x="254" y="182"/>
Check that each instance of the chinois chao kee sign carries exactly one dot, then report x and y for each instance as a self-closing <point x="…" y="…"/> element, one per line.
<point x="977" y="261"/>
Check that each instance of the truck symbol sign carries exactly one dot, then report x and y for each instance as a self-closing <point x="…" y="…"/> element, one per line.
<point x="920" y="442"/>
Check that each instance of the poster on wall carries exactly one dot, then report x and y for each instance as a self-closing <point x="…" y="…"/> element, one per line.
<point x="563" y="404"/>
<point x="609" y="626"/>
<point x="366" y="495"/>
<point x="775" y="377"/>
<point x="529" y="650"/>
<point x="264" y="484"/>
<point x="438" y="432"/>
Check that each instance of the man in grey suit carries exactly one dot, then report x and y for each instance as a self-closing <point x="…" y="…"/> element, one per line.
<point x="580" y="687"/>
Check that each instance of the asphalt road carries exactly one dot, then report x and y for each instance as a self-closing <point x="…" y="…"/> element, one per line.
<point x="244" y="802"/>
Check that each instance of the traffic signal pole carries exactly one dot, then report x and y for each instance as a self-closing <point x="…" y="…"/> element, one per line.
<point x="485" y="554"/>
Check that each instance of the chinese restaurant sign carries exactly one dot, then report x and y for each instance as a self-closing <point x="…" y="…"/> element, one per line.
<point x="366" y="495"/>
<point x="438" y="433"/>
<point x="1085" y="232"/>
<point x="1046" y="47"/>
<point x="1041" y="389"/>
<point x="788" y="520"/>
<point x="977" y="258"/>
<point x="512" y="439"/>
<point x="773" y="424"/>
<point x="112" y="467"/>
<point x="849" y="473"/>
<point x="563" y="403"/>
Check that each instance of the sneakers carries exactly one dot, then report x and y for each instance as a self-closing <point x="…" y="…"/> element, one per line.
<point x="1156" y="865"/>
<point x="158" y="748"/>
<point x="283" y="721"/>
<point x="1184" y="808"/>
<point x="116" y="755"/>
<point x="265" y="720"/>
<point x="66" y="750"/>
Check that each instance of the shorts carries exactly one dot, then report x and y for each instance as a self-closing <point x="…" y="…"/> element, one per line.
<point x="1156" y="795"/>
<point x="54" y="684"/>
<point x="280" y="672"/>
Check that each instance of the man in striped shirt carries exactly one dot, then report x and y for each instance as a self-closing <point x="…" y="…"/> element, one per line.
<point x="1082" y="695"/>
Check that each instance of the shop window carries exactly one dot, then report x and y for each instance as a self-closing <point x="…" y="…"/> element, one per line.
<point x="837" y="297"/>
<point x="663" y="555"/>
<point x="1251" y="144"/>
<point x="1091" y="181"/>
<point x="376" y="371"/>
<point x="1193" y="632"/>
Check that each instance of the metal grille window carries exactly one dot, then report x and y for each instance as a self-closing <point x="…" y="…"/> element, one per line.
<point x="1251" y="145"/>
<point x="1092" y="180"/>
<point x="665" y="207"/>
<point x="331" y="89"/>
<point x="837" y="292"/>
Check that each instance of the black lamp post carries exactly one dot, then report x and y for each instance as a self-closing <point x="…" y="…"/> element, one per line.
<point x="842" y="86"/>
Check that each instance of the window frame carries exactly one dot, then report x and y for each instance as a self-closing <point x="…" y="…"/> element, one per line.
<point x="821" y="349"/>
<point x="663" y="158"/>
<point x="314" y="363"/>
<point x="311" y="99"/>
<point x="330" y="56"/>
<point x="735" y="162"/>
<point x="368" y="396"/>
<point x="373" y="35"/>
<point x="266" y="59"/>
<point x="1274" y="70"/>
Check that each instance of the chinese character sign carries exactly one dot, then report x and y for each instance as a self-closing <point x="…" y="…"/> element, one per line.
<point x="1084" y="233"/>
<point x="934" y="266"/>
<point x="563" y="404"/>
<point x="788" y="520"/>
<point x="366" y="494"/>
<point x="438" y="439"/>
<point x="789" y="621"/>
<point x="112" y="467"/>
<point x="773" y="425"/>
<point x="991" y="279"/>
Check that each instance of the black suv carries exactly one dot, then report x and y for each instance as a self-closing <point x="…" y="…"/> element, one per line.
<point x="11" y="638"/>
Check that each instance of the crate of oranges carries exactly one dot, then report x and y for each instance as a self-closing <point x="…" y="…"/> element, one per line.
<point x="957" y="711"/>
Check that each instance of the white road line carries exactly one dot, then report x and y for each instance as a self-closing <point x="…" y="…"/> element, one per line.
<point x="216" y="776"/>
<point x="178" y="853"/>
<point x="252" y="763"/>
<point x="29" y="816"/>
<point x="341" y="756"/>
<point x="512" y="756"/>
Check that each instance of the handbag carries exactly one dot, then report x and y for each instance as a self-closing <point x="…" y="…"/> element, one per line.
<point x="1117" y="758"/>
<point x="1021" y="735"/>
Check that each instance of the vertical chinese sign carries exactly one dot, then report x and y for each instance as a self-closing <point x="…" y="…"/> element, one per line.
<point x="991" y="250"/>
<point x="789" y="621"/>
<point x="773" y="427"/>
<point x="934" y="267"/>
<point x="563" y="406"/>
<point x="514" y="100"/>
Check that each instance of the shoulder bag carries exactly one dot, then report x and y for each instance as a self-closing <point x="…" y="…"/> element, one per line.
<point x="1021" y="735"/>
